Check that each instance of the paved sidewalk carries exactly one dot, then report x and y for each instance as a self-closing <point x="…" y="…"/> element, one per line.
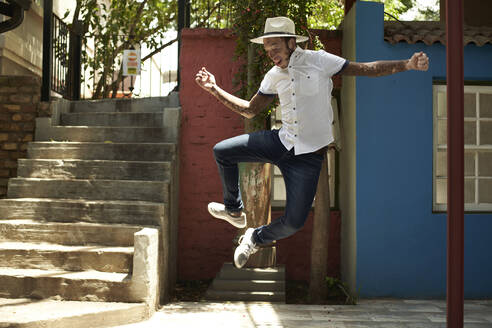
<point x="368" y="313"/>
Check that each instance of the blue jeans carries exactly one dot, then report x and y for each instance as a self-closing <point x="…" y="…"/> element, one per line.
<point x="300" y="174"/>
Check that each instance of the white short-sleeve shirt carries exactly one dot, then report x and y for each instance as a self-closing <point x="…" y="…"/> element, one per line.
<point x="304" y="90"/>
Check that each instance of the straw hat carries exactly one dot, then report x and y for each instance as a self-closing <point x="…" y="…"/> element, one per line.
<point x="279" y="27"/>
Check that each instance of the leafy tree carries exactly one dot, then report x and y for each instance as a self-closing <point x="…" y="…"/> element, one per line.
<point x="211" y="13"/>
<point x="326" y="15"/>
<point x="396" y="7"/>
<point x="116" y="27"/>
<point x="430" y="13"/>
<point x="119" y="24"/>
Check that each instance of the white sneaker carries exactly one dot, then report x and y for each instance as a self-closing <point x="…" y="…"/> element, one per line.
<point x="219" y="211"/>
<point x="246" y="247"/>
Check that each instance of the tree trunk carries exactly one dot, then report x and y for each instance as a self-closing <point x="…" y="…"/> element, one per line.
<point x="99" y="86"/>
<point x="319" y="241"/>
<point x="116" y="84"/>
<point x="255" y="181"/>
<point x="255" y="190"/>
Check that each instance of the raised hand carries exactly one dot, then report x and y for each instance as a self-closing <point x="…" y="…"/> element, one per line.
<point x="205" y="79"/>
<point x="419" y="62"/>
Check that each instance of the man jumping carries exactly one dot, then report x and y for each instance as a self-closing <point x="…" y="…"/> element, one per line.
<point x="302" y="81"/>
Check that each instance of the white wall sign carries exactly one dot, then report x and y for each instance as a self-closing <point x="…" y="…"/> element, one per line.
<point x="131" y="62"/>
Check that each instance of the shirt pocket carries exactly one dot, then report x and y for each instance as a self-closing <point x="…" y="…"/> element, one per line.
<point x="309" y="84"/>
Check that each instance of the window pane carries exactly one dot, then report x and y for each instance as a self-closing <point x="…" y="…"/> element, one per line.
<point x="470" y="133"/>
<point x="441" y="132"/>
<point x="486" y="105"/>
<point x="485" y="190"/>
<point x="441" y="164"/>
<point x="470" y="105"/>
<point x="279" y="189"/>
<point x="469" y="190"/>
<point x="486" y="133"/>
<point x="485" y="164"/>
<point x="441" y="104"/>
<point x="469" y="163"/>
<point x="441" y="191"/>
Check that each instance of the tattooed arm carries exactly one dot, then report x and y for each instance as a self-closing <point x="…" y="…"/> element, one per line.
<point x="419" y="61"/>
<point x="248" y="109"/>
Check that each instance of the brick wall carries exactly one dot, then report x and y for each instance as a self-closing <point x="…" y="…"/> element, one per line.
<point x="19" y="101"/>
<point x="206" y="243"/>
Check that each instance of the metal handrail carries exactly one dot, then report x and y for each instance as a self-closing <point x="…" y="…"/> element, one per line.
<point x="14" y="9"/>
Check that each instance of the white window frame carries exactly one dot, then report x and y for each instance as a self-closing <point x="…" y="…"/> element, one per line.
<point x="477" y="148"/>
<point x="276" y="123"/>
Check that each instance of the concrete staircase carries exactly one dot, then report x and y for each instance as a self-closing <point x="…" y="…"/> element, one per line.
<point x="92" y="215"/>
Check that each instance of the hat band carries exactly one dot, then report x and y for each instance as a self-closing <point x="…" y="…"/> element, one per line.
<point x="271" y="33"/>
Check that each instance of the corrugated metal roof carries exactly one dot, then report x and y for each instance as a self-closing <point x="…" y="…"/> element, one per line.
<point x="431" y="32"/>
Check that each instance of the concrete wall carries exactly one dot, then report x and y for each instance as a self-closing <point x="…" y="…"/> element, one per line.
<point x="204" y="242"/>
<point x="21" y="49"/>
<point x="401" y="243"/>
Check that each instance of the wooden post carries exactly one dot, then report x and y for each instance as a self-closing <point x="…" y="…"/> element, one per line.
<point x="320" y="237"/>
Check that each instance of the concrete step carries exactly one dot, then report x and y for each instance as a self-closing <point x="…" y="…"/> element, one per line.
<point x="103" y="134"/>
<point x="95" y="211"/>
<point x="22" y="255"/>
<point x="160" y="152"/>
<point x="151" y="191"/>
<point x="34" y="313"/>
<point x="73" y="286"/>
<point x="93" y="169"/>
<point x="229" y="272"/>
<point x="136" y="105"/>
<point x="249" y="285"/>
<point x="245" y="296"/>
<point x="81" y="233"/>
<point x="113" y="119"/>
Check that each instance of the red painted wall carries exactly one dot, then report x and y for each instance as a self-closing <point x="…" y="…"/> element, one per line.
<point x="204" y="242"/>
